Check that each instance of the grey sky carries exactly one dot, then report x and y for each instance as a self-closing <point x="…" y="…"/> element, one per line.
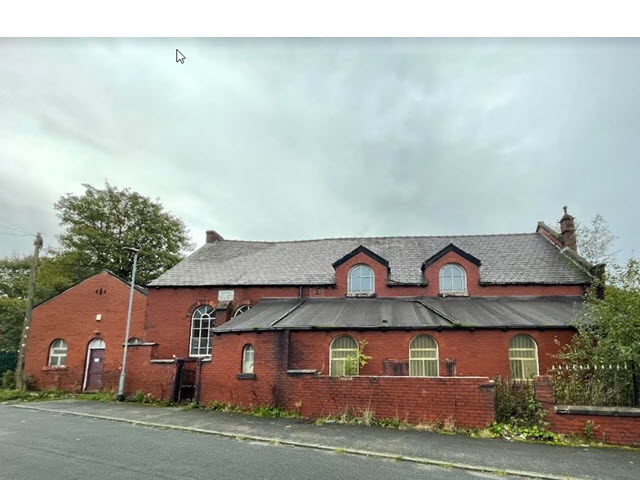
<point x="295" y="139"/>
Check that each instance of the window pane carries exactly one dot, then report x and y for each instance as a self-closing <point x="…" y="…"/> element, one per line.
<point x="360" y="280"/>
<point x="523" y="359"/>
<point x="423" y="357"/>
<point x="341" y="348"/>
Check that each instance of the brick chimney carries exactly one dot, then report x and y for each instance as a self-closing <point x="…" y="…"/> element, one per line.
<point x="568" y="231"/>
<point x="213" y="236"/>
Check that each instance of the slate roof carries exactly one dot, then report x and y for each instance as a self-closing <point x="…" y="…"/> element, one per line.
<point x="415" y="313"/>
<point x="527" y="258"/>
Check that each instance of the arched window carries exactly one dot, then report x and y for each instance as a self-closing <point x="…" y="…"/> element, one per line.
<point x="97" y="344"/>
<point x="247" y="358"/>
<point x="453" y="279"/>
<point x="134" y="341"/>
<point x="423" y="357"/>
<point x="241" y="310"/>
<point x="523" y="357"/>
<point x="202" y="322"/>
<point x="361" y="280"/>
<point x="343" y="357"/>
<point x="58" y="353"/>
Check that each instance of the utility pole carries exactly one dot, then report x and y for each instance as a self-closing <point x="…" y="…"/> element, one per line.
<point x="20" y="384"/>
<point x="135" y="252"/>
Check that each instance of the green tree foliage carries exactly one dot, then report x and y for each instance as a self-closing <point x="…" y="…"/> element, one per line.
<point x="100" y="222"/>
<point x="608" y="329"/>
<point x="11" y="316"/>
<point x="596" y="242"/>
<point x="54" y="275"/>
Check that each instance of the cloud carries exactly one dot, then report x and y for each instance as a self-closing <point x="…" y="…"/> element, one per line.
<point x="289" y="139"/>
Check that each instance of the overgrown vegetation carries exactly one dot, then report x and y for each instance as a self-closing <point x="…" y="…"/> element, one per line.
<point x="259" y="410"/>
<point x="363" y="417"/>
<point x="516" y="405"/>
<point x="9" y="380"/>
<point x="353" y="362"/>
<point x="518" y="414"/>
<point x="602" y="364"/>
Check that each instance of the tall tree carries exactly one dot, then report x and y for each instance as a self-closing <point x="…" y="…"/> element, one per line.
<point x="55" y="273"/>
<point x="99" y="223"/>
<point x="596" y="242"/>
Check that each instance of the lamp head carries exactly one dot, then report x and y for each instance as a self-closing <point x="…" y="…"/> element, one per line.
<point x="131" y="249"/>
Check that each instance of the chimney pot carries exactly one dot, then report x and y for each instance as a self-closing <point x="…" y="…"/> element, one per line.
<point x="568" y="230"/>
<point x="213" y="236"/>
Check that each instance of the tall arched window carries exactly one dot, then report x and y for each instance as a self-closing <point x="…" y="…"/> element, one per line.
<point x="523" y="357"/>
<point x="361" y="280"/>
<point x="58" y="353"/>
<point x="343" y="357"/>
<point x="423" y="357"/>
<point x="202" y="321"/>
<point x="247" y="358"/>
<point x="453" y="279"/>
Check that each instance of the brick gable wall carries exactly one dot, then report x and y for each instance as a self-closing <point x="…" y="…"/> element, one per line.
<point x="72" y="317"/>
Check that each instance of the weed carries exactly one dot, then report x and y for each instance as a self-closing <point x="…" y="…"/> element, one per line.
<point x="589" y="430"/>
<point x="9" y="380"/>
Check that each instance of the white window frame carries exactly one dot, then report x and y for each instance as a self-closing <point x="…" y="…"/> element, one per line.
<point x="411" y="358"/>
<point x="241" y="309"/>
<point x="211" y="319"/>
<point x="464" y="278"/>
<point x="522" y="359"/>
<point x="248" y="356"/>
<point x="331" y="359"/>
<point x="58" y="352"/>
<point x="359" y="267"/>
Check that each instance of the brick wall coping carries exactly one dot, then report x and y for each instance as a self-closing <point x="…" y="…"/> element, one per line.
<point x="302" y="372"/>
<point x="405" y="377"/>
<point x="144" y="344"/>
<point x="603" y="411"/>
<point x="163" y="360"/>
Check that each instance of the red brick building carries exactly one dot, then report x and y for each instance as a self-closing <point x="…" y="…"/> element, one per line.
<point x="76" y="338"/>
<point x="281" y="323"/>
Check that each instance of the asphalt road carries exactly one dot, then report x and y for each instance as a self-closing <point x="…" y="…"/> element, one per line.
<point x="53" y="446"/>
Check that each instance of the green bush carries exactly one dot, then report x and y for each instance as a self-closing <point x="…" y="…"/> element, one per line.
<point x="516" y="405"/>
<point x="9" y="380"/>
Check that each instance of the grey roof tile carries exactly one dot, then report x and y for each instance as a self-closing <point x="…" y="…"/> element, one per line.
<point x="506" y="259"/>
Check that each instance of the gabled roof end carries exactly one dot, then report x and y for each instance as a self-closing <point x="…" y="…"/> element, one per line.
<point x="451" y="248"/>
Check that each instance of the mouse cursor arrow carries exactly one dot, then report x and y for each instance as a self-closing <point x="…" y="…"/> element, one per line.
<point x="179" y="56"/>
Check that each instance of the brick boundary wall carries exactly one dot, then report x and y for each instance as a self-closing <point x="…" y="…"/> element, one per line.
<point x="144" y="375"/>
<point x="618" y="426"/>
<point x="463" y="401"/>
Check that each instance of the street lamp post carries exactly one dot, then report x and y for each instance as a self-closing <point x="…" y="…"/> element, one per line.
<point x="135" y="252"/>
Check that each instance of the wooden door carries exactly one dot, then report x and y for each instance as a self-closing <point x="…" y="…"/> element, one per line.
<point x="94" y="371"/>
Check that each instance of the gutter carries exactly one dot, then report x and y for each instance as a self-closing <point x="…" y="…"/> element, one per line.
<point x="405" y="328"/>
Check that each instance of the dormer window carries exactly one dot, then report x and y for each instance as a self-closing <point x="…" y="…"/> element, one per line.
<point x="453" y="280"/>
<point x="361" y="281"/>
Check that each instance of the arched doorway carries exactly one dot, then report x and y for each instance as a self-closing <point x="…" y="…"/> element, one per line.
<point x="95" y="365"/>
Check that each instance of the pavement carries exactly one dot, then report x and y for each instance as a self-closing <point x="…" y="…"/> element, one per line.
<point x="471" y="455"/>
<point x="38" y="444"/>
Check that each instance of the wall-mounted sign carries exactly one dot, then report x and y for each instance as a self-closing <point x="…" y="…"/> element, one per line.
<point x="225" y="295"/>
